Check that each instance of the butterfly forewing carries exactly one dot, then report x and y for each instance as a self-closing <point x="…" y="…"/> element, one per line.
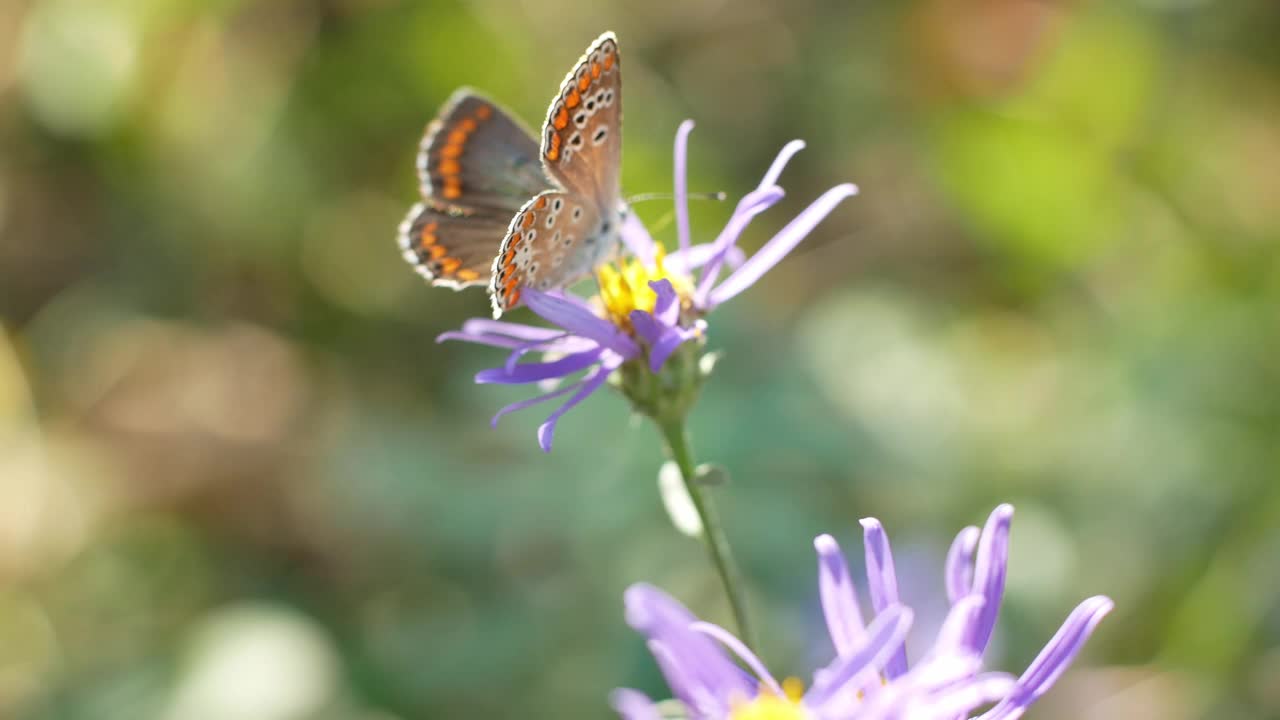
<point x="582" y="135"/>
<point x="476" y="155"/>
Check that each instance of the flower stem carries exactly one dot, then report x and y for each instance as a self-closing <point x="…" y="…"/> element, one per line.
<point x="677" y="441"/>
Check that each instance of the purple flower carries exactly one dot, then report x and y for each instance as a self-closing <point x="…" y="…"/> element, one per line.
<point x="648" y="307"/>
<point x="870" y="677"/>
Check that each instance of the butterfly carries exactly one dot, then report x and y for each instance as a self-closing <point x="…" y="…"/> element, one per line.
<point x="505" y="209"/>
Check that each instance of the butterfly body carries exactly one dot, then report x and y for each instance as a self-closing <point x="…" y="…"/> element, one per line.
<point x="509" y="210"/>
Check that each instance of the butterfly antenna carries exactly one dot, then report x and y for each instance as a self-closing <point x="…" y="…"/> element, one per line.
<point x="644" y="197"/>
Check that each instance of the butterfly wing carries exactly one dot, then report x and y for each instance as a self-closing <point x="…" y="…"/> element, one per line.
<point x="476" y="155"/>
<point x="452" y="248"/>
<point x="477" y="165"/>
<point x="556" y="238"/>
<point x="582" y="135"/>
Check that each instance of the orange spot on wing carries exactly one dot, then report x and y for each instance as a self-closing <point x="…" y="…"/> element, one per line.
<point x="449" y="265"/>
<point x="595" y="70"/>
<point x="468" y="275"/>
<point x="452" y="189"/>
<point x="608" y="60"/>
<point x="584" y="82"/>
<point x="457" y="137"/>
<point x="561" y="119"/>
<point x="483" y="112"/>
<point x="513" y="297"/>
<point x="451" y="151"/>
<point x="528" y="220"/>
<point x="541" y="203"/>
<point x="437" y="251"/>
<point x="467" y="125"/>
<point x="572" y="100"/>
<point x="449" y="167"/>
<point x="553" y="151"/>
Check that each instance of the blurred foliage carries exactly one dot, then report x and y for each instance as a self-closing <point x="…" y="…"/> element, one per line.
<point x="239" y="480"/>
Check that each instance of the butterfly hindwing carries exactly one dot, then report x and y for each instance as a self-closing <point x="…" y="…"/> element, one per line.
<point x="555" y="239"/>
<point x="450" y="248"/>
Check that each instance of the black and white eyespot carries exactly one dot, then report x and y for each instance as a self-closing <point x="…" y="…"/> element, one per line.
<point x="551" y="220"/>
<point x="555" y="238"/>
<point x="577" y="214"/>
<point x="591" y="105"/>
<point x="568" y="240"/>
<point x="557" y="204"/>
<point x="576" y="140"/>
<point x="529" y="235"/>
<point x="580" y="119"/>
<point x="602" y="132"/>
<point x="608" y="97"/>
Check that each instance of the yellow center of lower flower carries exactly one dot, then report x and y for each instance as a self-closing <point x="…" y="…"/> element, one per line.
<point x="769" y="706"/>
<point x="626" y="287"/>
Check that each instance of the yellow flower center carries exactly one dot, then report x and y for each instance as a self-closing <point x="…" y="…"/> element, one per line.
<point x="768" y="706"/>
<point x="626" y="287"/>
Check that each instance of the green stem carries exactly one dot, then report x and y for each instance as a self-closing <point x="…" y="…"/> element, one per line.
<point x="677" y="441"/>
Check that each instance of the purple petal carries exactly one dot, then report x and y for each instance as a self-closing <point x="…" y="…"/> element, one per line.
<point x="1053" y="660"/>
<point x="883" y="639"/>
<point x="637" y="239"/>
<point x="960" y="564"/>
<point x="780" y="245"/>
<point x="667" y="307"/>
<point x="533" y="372"/>
<point x="696" y="669"/>
<point x="957" y="626"/>
<point x="667" y="344"/>
<point x="839" y="598"/>
<point x="989" y="573"/>
<point x="780" y="162"/>
<point x="510" y="329"/>
<point x="751" y="204"/>
<point x="633" y="705"/>
<point x="882" y="582"/>
<point x="646" y="327"/>
<point x="513" y="407"/>
<point x="681" y="183"/>
<point x="533" y="345"/>
<point x="684" y="262"/>
<point x="960" y="699"/>
<point x="501" y="341"/>
<point x="591" y="383"/>
<point x="661" y="340"/>
<point x="580" y="321"/>
<point x="739" y="648"/>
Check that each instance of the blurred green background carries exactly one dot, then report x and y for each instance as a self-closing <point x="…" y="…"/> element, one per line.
<point x="239" y="480"/>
